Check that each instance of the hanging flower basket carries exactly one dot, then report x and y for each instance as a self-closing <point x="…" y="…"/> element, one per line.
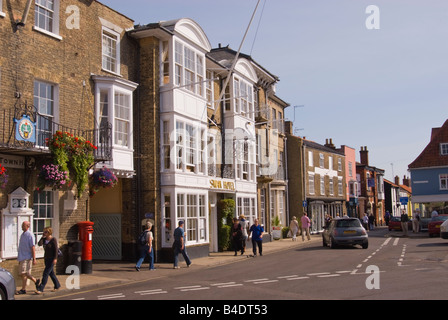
<point x="3" y="177"/>
<point x="102" y="178"/>
<point x="74" y="155"/>
<point x="51" y="175"/>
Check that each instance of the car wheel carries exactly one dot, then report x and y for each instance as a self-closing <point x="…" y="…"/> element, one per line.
<point x="365" y="245"/>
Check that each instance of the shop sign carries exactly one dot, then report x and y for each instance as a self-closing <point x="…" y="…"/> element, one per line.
<point x="222" y="185"/>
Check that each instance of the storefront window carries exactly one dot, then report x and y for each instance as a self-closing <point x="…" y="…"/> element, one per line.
<point x="191" y="208"/>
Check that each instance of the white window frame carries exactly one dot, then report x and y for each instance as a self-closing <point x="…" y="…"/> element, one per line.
<point x="243" y="97"/>
<point x="443" y="181"/>
<point x="106" y="55"/>
<point x="111" y="87"/>
<point x="52" y="221"/>
<point x="39" y="101"/>
<point x="166" y="145"/>
<point x="310" y="159"/>
<point x="247" y="205"/>
<point x="191" y="147"/>
<point x="189" y="61"/>
<point x="122" y="119"/>
<point x="51" y="27"/>
<point x="209" y="89"/>
<point x="311" y="184"/>
<point x="322" y="185"/>
<point x="192" y="209"/>
<point x="444" y="149"/>
<point x="321" y="160"/>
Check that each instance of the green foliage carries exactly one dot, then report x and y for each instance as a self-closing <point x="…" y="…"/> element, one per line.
<point x="276" y="221"/>
<point x="226" y="211"/>
<point x="285" y="231"/>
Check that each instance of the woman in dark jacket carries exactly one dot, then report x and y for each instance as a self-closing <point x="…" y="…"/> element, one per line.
<point x="51" y="249"/>
<point x="236" y="233"/>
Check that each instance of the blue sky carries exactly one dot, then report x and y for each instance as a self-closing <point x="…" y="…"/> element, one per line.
<point x="381" y="88"/>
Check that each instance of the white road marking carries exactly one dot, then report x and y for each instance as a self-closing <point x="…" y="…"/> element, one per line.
<point x="111" y="296"/>
<point x="148" y="292"/>
<point x="298" y="278"/>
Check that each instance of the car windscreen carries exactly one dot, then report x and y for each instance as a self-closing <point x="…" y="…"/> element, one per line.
<point x="439" y="218"/>
<point x="348" y="223"/>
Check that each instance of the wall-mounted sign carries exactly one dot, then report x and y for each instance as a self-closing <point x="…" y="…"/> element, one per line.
<point x="25" y="129"/>
<point x="223" y="185"/>
<point x="10" y="161"/>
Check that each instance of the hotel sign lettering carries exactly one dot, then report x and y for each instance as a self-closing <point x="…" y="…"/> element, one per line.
<point x="222" y="185"/>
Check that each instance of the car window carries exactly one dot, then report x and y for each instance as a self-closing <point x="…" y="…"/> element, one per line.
<point x="439" y="218"/>
<point x="348" y="223"/>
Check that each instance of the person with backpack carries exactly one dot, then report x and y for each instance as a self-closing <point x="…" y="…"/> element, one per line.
<point x="145" y="246"/>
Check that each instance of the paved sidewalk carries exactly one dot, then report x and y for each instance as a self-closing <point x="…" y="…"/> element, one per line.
<point x="113" y="273"/>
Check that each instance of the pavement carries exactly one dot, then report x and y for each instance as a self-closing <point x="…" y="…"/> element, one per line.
<point x="115" y="273"/>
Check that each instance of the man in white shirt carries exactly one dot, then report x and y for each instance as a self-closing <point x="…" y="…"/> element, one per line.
<point x="26" y="256"/>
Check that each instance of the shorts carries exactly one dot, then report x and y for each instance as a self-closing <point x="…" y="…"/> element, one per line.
<point x="25" y="266"/>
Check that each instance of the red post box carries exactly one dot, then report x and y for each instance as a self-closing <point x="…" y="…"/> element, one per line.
<point x="85" y="229"/>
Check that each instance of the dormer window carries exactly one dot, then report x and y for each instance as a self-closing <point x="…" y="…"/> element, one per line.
<point x="444" y="149"/>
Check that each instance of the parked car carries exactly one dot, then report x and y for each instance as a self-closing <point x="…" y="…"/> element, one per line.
<point x="444" y="230"/>
<point x="7" y="285"/>
<point x="345" y="231"/>
<point x="434" y="224"/>
<point x="395" y="224"/>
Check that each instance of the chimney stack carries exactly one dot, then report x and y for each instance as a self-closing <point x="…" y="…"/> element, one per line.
<point x="364" y="155"/>
<point x="406" y="181"/>
<point x="397" y="180"/>
<point x="329" y="143"/>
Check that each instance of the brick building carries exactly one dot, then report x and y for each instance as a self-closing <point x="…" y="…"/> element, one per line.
<point x="68" y="66"/>
<point x="317" y="180"/>
<point x="371" y="197"/>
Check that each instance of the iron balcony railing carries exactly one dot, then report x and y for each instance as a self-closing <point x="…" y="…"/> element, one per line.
<point x="45" y="128"/>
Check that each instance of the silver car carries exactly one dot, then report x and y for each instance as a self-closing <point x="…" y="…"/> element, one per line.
<point x="345" y="231"/>
<point x="7" y="285"/>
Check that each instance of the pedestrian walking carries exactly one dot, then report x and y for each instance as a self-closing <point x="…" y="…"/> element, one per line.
<point x="179" y="245"/>
<point x="365" y="221"/>
<point x="51" y="250"/>
<point x="146" y="247"/>
<point x="26" y="256"/>
<point x="416" y="221"/>
<point x="387" y="217"/>
<point x="404" y="222"/>
<point x="305" y="226"/>
<point x="256" y="232"/>
<point x="294" y="228"/>
<point x="244" y="228"/>
<point x="371" y="221"/>
<point x="236" y="234"/>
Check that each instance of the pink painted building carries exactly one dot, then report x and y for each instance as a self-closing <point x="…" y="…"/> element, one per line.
<point x="351" y="184"/>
